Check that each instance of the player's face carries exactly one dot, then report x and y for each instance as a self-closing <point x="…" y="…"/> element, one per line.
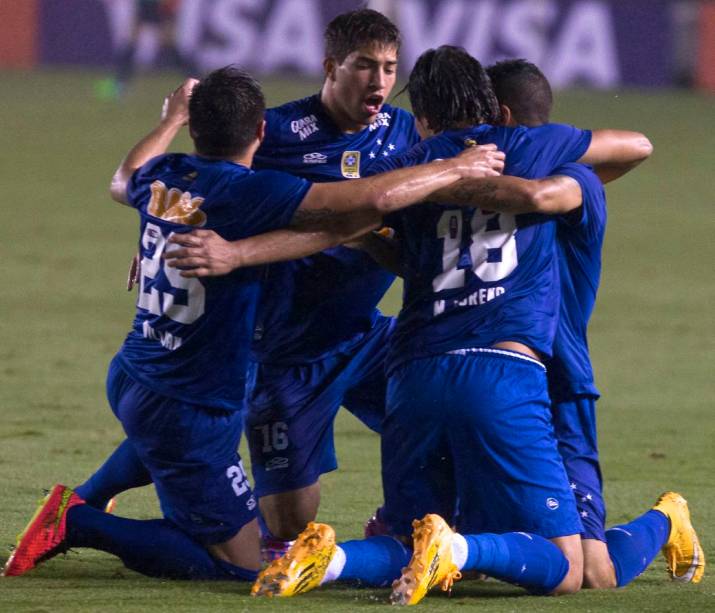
<point x="362" y="82"/>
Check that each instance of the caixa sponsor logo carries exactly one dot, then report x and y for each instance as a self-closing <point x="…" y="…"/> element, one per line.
<point x="315" y="158"/>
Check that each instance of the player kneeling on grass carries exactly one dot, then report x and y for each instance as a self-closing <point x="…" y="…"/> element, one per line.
<point x="177" y="383"/>
<point x="454" y="392"/>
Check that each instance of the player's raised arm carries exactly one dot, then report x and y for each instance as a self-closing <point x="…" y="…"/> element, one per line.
<point x="615" y="152"/>
<point x="175" y="114"/>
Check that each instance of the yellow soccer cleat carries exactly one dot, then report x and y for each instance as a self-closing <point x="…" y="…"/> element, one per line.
<point x="682" y="551"/>
<point x="431" y="562"/>
<point x="303" y="566"/>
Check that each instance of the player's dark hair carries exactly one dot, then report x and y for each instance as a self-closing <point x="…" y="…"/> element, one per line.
<point x="356" y="29"/>
<point x="522" y="87"/>
<point x="450" y="89"/>
<point x="224" y="110"/>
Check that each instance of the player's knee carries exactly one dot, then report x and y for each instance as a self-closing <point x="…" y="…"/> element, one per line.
<point x="571" y="583"/>
<point x="288" y="513"/>
<point x="599" y="578"/>
<point x="598" y="570"/>
<point x="570" y="546"/>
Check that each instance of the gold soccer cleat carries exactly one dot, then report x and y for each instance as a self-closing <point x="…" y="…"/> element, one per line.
<point x="682" y="551"/>
<point x="431" y="562"/>
<point x="303" y="566"/>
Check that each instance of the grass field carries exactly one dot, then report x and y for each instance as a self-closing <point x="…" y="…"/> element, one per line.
<point x="64" y="312"/>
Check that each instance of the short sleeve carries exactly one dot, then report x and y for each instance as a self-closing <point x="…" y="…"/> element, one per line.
<point x="559" y="144"/>
<point x="591" y="224"/>
<point x="139" y="185"/>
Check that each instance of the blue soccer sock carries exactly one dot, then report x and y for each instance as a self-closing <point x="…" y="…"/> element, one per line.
<point x="376" y="561"/>
<point x="524" y="559"/>
<point x="633" y="546"/>
<point x="123" y="470"/>
<point x="150" y="547"/>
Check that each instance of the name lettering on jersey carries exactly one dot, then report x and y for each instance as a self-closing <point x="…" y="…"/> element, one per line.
<point x="350" y="164"/>
<point x="167" y="339"/>
<point x="305" y="127"/>
<point x="315" y="158"/>
<point x="382" y="119"/>
<point x="481" y="296"/>
<point x="175" y="206"/>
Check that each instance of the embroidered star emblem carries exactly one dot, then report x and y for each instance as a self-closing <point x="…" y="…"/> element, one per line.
<point x="372" y="155"/>
<point x="573" y="486"/>
<point x="589" y="497"/>
<point x="391" y="147"/>
<point x="379" y="141"/>
<point x="584" y="513"/>
<point x="385" y="153"/>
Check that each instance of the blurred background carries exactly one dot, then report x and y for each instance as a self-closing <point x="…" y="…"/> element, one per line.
<point x="593" y="43"/>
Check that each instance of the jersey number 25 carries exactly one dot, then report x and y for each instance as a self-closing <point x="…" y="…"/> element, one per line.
<point x="160" y="300"/>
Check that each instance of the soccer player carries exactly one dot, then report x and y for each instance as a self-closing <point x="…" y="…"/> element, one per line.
<point x="614" y="557"/>
<point x="159" y="17"/>
<point x="176" y="384"/>
<point x="475" y="287"/>
<point x="320" y="341"/>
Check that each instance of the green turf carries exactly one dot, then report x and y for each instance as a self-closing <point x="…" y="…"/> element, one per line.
<point x="65" y="251"/>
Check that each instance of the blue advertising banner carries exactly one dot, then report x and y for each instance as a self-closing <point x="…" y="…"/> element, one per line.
<point x="594" y="43"/>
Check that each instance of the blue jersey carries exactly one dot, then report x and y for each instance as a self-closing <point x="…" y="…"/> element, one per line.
<point x="578" y="242"/>
<point x="475" y="277"/>
<point x="191" y="337"/>
<point x="314" y="307"/>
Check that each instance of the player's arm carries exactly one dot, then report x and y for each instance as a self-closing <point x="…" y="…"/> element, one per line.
<point x="551" y="196"/>
<point x="613" y="153"/>
<point x="395" y="190"/>
<point x="175" y="114"/>
<point x="204" y="253"/>
<point x="330" y="214"/>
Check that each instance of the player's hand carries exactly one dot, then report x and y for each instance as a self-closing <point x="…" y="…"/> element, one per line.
<point x="135" y="269"/>
<point x="176" y="104"/>
<point x="481" y="161"/>
<point x="202" y="253"/>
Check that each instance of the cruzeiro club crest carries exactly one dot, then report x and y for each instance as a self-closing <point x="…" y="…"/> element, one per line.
<point x="350" y="164"/>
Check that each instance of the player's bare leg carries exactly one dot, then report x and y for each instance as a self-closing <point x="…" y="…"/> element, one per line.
<point x="598" y="570"/>
<point x="288" y="513"/>
<point x="570" y="546"/>
<point x="242" y="550"/>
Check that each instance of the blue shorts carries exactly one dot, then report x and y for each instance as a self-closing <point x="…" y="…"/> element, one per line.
<point x="191" y="453"/>
<point x="291" y="410"/>
<point x="470" y="437"/>
<point x="575" y="429"/>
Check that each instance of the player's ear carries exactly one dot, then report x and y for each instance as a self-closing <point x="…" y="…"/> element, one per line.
<point x="261" y="131"/>
<point x="329" y="67"/>
<point x="507" y="118"/>
<point x="423" y="128"/>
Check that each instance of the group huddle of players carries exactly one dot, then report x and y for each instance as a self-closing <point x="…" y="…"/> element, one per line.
<point x="265" y="318"/>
